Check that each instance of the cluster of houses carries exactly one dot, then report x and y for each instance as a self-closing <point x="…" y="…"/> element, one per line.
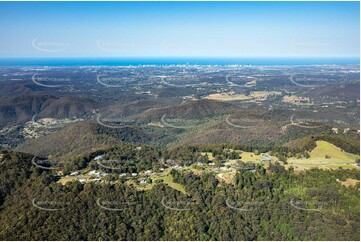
<point x="97" y="176"/>
<point x="141" y="178"/>
<point x="345" y="130"/>
<point x="92" y="176"/>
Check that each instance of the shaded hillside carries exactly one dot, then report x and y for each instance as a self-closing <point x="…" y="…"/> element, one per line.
<point x="81" y="137"/>
<point x="171" y="92"/>
<point x="190" y="110"/>
<point x="20" y="87"/>
<point x="349" y="144"/>
<point x="259" y="131"/>
<point x="346" y="91"/>
<point x="17" y="110"/>
<point x="139" y="106"/>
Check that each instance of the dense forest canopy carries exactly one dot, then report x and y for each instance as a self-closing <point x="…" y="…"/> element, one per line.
<point x="270" y="203"/>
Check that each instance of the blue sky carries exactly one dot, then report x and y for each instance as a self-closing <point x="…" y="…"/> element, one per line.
<point x="173" y="29"/>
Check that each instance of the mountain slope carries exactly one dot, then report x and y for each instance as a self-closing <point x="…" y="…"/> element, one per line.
<point x="81" y="137"/>
<point x="190" y="110"/>
<point x="17" y="110"/>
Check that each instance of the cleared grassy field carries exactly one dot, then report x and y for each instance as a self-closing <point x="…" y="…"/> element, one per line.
<point x="168" y="179"/>
<point x="244" y="156"/>
<point x="251" y="157"/>
<point x="228" y="97"/>
<point x="338" y="158"/>
<point x="227" y="177"/>
<point x="231" y="96"/>
<point x="209" y="154"/>
<point x="64" y="180"/>
<point x="349" y="182"/>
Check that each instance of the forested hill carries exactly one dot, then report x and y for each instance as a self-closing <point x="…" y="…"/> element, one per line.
<point x="20" y="109"/>
<point x="263" y="204"/>
<point x="82" y="137"/>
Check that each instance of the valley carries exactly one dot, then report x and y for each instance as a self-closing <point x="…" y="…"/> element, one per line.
<point x="258" y="143"/>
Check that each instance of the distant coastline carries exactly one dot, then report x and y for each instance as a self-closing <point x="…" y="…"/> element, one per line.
<point x="167" y="61"/>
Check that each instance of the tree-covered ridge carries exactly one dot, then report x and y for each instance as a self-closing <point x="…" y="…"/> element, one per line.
<point x="270" y="203"/>
<point x="134" y="158"/>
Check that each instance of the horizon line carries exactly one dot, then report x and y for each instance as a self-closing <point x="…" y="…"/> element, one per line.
<point x="201" y="57"/>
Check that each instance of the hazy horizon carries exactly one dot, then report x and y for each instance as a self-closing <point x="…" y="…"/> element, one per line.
<point x="164" y="61"/>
